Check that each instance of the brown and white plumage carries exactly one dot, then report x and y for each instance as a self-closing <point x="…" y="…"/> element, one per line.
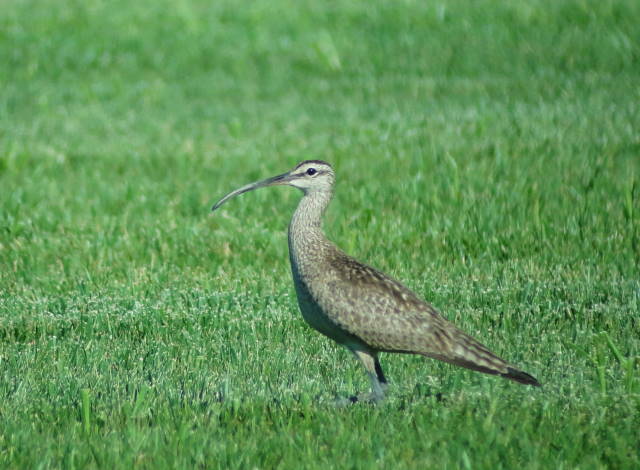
<point x="360" y="307"/>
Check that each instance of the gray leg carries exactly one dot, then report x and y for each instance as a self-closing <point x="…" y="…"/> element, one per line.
<point x="378" y="381"/>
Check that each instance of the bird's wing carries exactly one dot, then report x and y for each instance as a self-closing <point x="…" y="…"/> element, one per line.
<point x="380" y="310"/>
<point x="387" y="316"/>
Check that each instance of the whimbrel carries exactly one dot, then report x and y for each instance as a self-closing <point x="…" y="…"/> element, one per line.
<point x="360" y="307"/>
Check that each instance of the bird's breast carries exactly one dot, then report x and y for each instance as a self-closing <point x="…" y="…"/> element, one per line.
<point x="311" y="310"/>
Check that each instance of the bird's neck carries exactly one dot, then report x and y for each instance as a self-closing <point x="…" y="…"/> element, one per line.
<point x="305" y="229"/>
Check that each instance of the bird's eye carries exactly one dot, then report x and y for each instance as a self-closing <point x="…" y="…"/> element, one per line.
<point x="311" y="171"/>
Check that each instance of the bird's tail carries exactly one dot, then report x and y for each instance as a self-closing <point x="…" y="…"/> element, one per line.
<point x="521" y="377"/>
<point x="465" y="351"/>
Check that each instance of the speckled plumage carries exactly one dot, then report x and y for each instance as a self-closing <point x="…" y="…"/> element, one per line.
<point x="360" y="307"/>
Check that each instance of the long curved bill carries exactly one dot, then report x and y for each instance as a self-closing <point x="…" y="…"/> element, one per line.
<point x="275" y="180"/>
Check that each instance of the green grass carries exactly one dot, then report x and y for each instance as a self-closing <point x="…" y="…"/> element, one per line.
<point x="487" y="153"/>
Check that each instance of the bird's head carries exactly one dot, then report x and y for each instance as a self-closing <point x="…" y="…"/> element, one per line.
<point x="309" y="176"/>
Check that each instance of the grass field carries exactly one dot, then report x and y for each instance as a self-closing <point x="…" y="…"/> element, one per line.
<point x="487" y="153"/>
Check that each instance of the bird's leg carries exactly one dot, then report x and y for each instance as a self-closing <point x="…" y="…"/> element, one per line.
<point x="378" y="381"/>
<point x="382" y="380"/>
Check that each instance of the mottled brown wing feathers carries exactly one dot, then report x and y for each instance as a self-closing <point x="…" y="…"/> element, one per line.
<point x="381" y="311"/>
<point x="387" y="316"/>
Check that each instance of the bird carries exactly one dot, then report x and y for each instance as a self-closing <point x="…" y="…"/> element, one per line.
<point x="360" y="307"/>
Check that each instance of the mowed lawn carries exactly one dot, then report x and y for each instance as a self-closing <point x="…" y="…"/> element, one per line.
<point x="487" y="155"/>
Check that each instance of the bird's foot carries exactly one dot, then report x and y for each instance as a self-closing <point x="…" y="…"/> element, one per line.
<point x="345" y="401"/>
<point x="370" y="398"/>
